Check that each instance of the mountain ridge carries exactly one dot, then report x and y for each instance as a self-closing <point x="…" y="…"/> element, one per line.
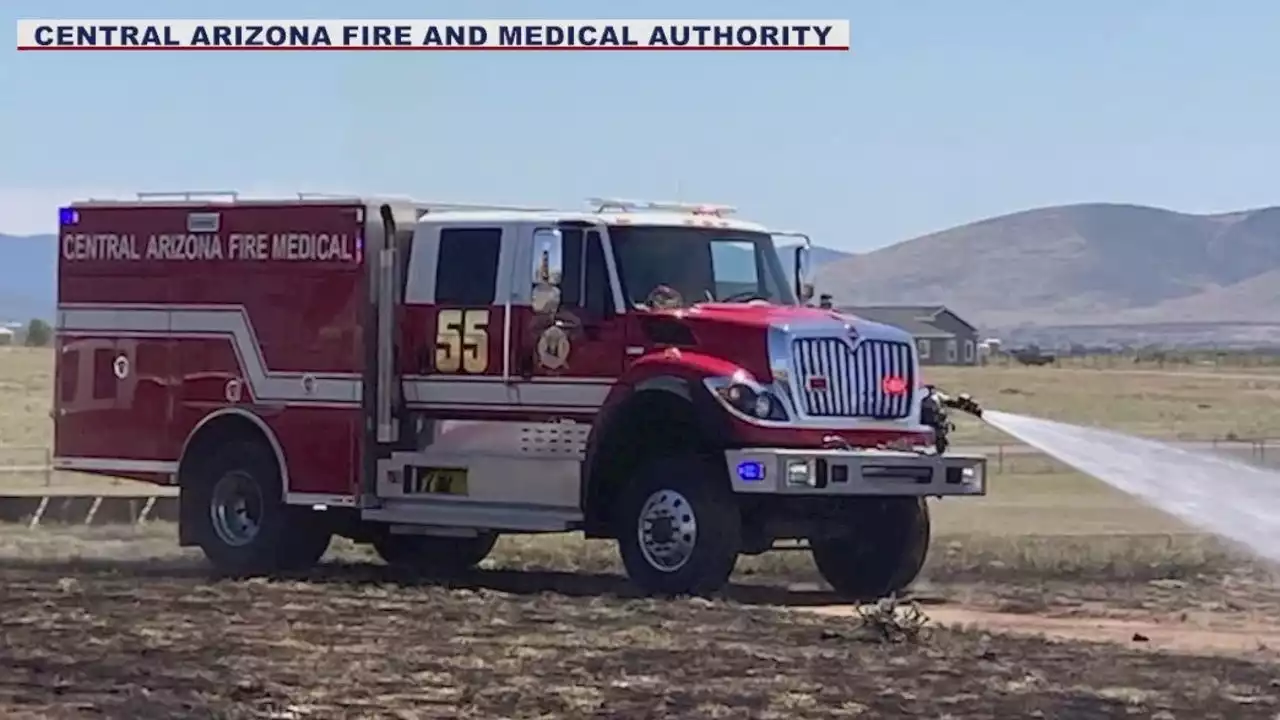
<point x="1075" y="264"/>
<point x="28" y="275"/>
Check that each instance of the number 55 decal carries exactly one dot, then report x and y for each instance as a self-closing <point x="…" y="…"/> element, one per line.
<point x="462" y="341"/>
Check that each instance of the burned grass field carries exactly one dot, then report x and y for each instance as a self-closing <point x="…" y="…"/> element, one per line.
<point x="118" y="623"/>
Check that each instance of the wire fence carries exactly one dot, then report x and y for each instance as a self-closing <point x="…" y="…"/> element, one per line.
<point x="26" y="460"/>
<point x="1165" y="360"/>
<point x="1017" y="459"/>
<point x="35" y="462"/>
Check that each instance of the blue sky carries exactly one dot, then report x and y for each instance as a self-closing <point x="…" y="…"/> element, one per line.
<point x="944" y="112"/>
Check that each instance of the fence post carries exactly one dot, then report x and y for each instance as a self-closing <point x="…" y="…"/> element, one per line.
<point x="1000" y="459"/>
<point x="48" y="467"/>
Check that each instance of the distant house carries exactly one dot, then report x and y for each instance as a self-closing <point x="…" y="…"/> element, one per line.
<point x="943" y="337"/>
<point x="6" y="336"/>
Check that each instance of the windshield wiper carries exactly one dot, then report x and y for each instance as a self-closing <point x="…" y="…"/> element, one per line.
<point x="745" y="296"/>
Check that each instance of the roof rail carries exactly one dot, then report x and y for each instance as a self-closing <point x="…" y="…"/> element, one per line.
<point x="231" y="195"/>
<point x="624" y="205"/>
<point x="447" y="206"/>
<point x="323" y="195"/>
<point x="427" y="204"/>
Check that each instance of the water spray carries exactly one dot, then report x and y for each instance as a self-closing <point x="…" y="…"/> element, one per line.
<point x="1233" y="500"/>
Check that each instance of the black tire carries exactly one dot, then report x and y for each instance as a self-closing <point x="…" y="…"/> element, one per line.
<point x="678" y="483"/>
<point x="306" y="541"/>
<point x="434" y="556"/>
<point x="286" y="538"/>
<point x="883" y="552"/>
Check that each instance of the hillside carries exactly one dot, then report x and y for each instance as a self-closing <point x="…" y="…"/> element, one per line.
<point x="1080" y="264"/>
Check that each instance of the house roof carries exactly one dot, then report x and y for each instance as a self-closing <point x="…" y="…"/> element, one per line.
<point x="915" y="319"/>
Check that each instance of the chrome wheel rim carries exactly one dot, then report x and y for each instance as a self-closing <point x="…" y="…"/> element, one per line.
<point x="236" y="509"/>
<point x="667" y="531"/>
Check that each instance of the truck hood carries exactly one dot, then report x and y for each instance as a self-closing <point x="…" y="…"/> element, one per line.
<point x="783" y="317"/>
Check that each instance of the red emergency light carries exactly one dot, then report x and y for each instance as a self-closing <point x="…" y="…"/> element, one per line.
<point x="893" y="384"/>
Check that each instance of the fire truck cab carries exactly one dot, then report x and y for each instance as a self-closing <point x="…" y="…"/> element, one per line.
<point x="427" y="376"/>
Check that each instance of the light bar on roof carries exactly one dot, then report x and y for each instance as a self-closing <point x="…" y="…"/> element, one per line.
<point x="624" y="205"/>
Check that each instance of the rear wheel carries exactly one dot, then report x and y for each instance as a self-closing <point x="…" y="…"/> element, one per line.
<point x="239" y="517"/>
<point x="434" y="556"/>
<point x="680" y="529"/>
<point x="882" y="552"/>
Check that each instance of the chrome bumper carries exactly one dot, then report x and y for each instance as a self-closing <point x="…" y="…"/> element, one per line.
<point x="854" y="472"/>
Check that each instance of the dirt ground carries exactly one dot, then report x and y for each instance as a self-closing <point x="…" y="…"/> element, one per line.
<point x="1054" y="597"/>
<point x="118" y="623"/>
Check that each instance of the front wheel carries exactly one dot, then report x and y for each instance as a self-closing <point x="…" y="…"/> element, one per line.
<point x="680" y="529"/>
<point x="881" y="553"/>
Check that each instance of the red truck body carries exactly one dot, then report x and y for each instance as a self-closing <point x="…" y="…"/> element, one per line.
<point x="272" y="299"/>
<point x="416" y="375"/>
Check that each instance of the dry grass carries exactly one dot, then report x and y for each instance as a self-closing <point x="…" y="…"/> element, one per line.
<point x="1165" y="406"/>
<point x="119" y="624"/>
<point x="26" y="396"/>
<point x="69" y="483"/>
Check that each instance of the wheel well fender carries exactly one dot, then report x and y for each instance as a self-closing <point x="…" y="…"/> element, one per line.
<point x="213" y="430"/>
<point x="659" y="415"/>
<point x="225" y="424"/>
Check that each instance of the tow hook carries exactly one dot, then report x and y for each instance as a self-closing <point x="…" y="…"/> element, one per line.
<point x="835" y="442"/>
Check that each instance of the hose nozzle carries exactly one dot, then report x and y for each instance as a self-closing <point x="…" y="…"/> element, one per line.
<point x="964" y="403"/>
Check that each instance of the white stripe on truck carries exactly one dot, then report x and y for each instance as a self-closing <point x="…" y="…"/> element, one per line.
<point x="232" y="323"/>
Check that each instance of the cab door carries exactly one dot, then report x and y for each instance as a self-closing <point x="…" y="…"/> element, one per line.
<point x="570" y="344"/>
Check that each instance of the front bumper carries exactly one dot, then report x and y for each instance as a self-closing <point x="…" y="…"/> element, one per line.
<point x="784" y="471"/>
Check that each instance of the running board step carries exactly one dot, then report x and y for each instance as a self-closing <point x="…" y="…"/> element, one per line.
<point x="470" y="514"/>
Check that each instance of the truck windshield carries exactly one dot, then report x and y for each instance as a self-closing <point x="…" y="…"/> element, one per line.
<point x="678" y="266"/>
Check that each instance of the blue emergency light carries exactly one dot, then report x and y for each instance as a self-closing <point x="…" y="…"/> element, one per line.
<point x="68" y="216"/>
<point x="750" y="471"/>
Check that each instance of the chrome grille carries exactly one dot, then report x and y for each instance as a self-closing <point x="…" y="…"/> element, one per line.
<point x="854" y="377"/>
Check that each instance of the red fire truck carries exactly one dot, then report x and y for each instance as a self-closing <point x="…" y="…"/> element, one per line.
<point x="424" y="377"/>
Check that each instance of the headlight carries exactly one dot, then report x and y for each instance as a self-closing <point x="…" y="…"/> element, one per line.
<point x="756" y="403"/>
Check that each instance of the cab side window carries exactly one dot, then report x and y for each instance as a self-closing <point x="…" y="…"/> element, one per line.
<point x="586" y="278"/>
<point x="467" y="269"/>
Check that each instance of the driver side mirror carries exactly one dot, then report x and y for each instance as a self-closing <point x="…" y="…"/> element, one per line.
<point x="803" y="279"/>
<point x="548" y="268"/>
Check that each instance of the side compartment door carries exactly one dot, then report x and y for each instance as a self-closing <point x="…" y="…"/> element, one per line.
<point x="112" y="402"/>
<point x="570" y="342"/>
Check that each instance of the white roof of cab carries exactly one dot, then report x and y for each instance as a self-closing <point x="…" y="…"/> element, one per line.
<point x="666" y="219"/>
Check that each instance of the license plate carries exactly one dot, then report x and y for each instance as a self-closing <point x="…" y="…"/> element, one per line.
<point x="435" y="481"/>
